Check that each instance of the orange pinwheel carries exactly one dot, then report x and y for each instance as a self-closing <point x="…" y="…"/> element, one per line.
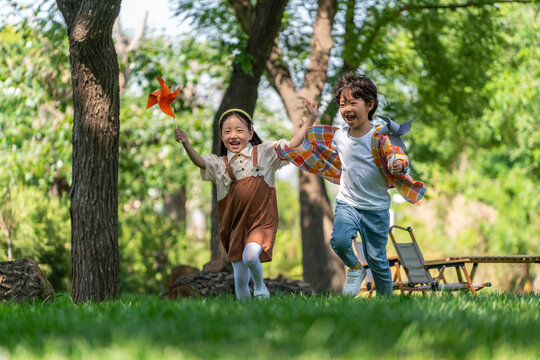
<point x="164" y="97"/>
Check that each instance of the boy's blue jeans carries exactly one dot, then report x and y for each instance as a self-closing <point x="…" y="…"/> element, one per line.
<point x="373" y="228"/>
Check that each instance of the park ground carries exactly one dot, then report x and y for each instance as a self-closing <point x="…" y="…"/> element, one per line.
<point x="491" y="326"/>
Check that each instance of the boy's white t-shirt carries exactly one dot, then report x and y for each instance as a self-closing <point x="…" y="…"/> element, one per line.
<point x="362" y="184"/>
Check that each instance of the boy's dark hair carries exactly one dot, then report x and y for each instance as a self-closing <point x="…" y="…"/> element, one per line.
<point x="360" y="86"/>
<point x="241" y="114"/>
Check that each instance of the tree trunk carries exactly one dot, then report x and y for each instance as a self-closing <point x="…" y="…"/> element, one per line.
<point x="94" y="192"/>
<point x="322" y="268"/>
<point x="23" y="280"/>
<point x="175" y="205"/>
<point x="264" y="22"/>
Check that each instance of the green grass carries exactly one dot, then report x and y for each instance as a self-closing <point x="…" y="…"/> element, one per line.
<point x="321" y="327"/>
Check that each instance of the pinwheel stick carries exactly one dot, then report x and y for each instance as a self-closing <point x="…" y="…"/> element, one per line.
<point x="181" y="145"/>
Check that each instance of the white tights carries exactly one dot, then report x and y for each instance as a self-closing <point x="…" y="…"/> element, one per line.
<point x="250" y="265"/>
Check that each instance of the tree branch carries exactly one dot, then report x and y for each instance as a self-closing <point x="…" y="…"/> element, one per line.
<point x="321" y="46"/>
<point x="279" y="72"/>
<point x="243" y="10"/>
<point x="457" y="6"/>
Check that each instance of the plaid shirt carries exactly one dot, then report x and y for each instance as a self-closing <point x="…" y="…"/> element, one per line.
<point x="315" y="155"/>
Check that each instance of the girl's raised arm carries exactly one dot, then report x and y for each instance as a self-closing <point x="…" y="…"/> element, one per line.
<point x="194" y="156"/>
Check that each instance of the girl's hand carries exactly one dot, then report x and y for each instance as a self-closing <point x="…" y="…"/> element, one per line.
<point x="312" y="109"/>
<point x="180" y="136"/>
<point x="396" y="168"/>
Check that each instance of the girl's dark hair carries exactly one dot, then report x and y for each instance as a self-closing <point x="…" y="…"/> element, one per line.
<point x="241" y="114"/>
<point x="360" y="86"/>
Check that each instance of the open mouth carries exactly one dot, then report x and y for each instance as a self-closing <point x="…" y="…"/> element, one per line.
<point x="234" y="144"/>
<point x="349" y="118"/>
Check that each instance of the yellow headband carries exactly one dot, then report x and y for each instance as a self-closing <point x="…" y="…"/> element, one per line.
<point x="235" y="110"/>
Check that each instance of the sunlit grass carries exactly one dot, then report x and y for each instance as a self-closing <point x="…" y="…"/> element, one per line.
<point x="141" y="327"/>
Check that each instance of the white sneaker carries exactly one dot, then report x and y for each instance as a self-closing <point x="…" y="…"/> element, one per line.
<point x="354" y="280"/>
<point x="261" y="294"/>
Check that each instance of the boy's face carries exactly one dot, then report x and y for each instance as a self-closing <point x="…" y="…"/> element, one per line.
<point x="235" y="134"/>
<point x="354" y="111"/>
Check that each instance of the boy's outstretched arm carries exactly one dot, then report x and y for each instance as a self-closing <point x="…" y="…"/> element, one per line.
<point x="194" y="156"/>
<point x="398" y="162"/>
<point x="299" y="135"/>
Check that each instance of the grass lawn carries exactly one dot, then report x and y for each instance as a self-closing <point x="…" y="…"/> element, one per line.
<point x="323" y="327"/>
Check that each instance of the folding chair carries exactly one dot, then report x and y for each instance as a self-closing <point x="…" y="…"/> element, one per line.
<point x="418" y="270"/>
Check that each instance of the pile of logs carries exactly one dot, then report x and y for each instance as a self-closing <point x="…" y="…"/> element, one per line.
<point x="187" y="281"/>
<point x="23" y="280"/>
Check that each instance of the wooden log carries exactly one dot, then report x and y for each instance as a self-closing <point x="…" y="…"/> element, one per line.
<point x="22" y="279"/>
<point x="208" y="284"/>
<point x="175" y="287"/>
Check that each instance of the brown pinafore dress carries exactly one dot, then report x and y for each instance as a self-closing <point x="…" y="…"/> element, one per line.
<point x="248" y="213"/>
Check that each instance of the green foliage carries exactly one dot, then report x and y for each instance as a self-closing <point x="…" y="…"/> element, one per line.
<point x="41" y="231"/>
<point x="475" y="134"/>
<point x="151" y="244"/>
<point x="433" y="66"/>
<point x="510" y="124"/>
<point x="492" y="326"/>
<point x="35" y="113"/>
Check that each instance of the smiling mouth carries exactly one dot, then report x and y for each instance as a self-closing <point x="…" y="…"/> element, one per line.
<point x="350" y="118"/>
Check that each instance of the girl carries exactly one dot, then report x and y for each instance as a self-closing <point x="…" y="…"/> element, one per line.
<point x="245" y="179"/>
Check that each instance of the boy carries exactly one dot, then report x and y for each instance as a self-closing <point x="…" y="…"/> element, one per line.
<point x="370" y="164"/>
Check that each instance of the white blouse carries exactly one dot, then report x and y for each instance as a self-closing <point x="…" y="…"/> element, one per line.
<point x="242" y="164"/>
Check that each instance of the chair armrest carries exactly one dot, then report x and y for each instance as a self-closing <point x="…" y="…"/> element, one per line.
<point x="436" y="264"/>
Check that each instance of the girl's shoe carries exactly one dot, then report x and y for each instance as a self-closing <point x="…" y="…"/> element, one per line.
<point x="261" y="294"/>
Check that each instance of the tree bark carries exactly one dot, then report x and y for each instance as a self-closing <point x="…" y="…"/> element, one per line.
<point x="175" y="205"/>
<point x="23" y="280"/>
<point x="264" y="22"/>
<point x="96" y="125"/>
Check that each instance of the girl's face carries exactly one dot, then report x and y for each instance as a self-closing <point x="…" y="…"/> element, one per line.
<point x="235" y="134"/>
<point x="354" y="111"/>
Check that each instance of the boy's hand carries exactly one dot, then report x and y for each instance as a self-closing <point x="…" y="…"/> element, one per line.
<point x="277" y="149"/>
<point x="312" y="109"/>
<point x="396" y="167"/>
<point x="180" y="136"/>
